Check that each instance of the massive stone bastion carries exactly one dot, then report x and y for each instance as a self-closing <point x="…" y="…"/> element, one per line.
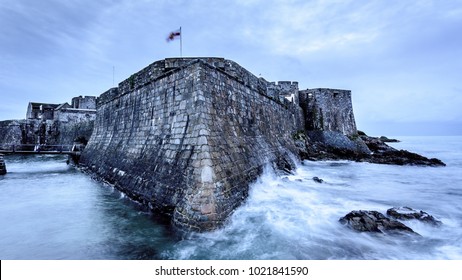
<point x="186" y="137"/>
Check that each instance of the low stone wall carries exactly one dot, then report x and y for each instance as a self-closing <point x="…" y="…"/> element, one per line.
<point x="17" y="132"/>
<point x="189" y="141"/>
<point x="11" y="132"/>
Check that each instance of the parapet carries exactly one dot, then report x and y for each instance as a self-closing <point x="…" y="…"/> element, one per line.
<point x="84" y="102"/>
<point x="278" y="92"/>
<point x="172" y="63"/>
<point x="106" y="96"/>
<point x="283" y="90"/>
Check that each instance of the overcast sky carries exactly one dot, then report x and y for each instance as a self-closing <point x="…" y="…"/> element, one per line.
<point x="401" y="59"/>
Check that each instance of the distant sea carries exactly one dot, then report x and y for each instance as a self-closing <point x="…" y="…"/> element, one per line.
<point x="49" y="210"/>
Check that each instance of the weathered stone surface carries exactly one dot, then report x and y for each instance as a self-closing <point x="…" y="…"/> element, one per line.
<point x="189" y="135"/>
<point x="407" y="213"/>
<point x="2" y="165"/>
<point x="49" y="132"/>
<point x="328" y="109"/>
<point x="373" y="221"/>
<point x="11" y="132"/>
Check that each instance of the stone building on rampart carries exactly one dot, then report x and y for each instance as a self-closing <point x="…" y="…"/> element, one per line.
<point x="41" y="111"/>
<point x="81" y="108"/>
<point x="51" y="124"/>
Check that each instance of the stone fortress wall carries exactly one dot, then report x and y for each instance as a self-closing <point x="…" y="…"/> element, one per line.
<point x="186" y="136"/>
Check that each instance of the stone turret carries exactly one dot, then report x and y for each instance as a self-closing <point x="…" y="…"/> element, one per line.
<point x="328" y="110"/>
<point x="84" y="102"/>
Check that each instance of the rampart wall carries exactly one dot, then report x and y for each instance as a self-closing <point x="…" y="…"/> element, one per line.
<point x="186" y="137"/>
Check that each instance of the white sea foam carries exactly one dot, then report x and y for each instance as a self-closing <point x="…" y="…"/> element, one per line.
<point x="293" y="217"/>
<point x="288" y="217"/>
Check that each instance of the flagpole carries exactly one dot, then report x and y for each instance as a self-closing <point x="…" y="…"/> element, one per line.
<point x="181" y="43"/>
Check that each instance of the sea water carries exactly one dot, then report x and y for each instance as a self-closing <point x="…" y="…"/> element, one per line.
<point x="49" y="210"/>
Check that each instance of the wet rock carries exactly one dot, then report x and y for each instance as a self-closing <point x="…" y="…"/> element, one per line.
<point x="318" y="180"/>
<point x="373" y="221"/>
<point x="407" y="213"/>
<point x="328" y="145"/>
<point x="386" y="139"/>
<point x="384" y="154"/>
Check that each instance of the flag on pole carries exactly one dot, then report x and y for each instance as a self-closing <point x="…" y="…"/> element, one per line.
<point x="174" y="34"/>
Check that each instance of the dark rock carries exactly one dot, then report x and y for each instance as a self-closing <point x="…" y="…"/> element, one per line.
<point x="330" y="145"/>
<point x="384" y="154"/>
<point x="407" y="213"/>
<point x="318" y="180"/>
<point x="386" y="139"/>
<point x="373" y="221"/>
<point x="338" y="142"/>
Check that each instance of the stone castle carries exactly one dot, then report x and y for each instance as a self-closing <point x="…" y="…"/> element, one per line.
<point x="186" y="136"/>
<point x="51" y="124"/>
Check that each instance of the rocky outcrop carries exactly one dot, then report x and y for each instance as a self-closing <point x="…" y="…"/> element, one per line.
<point x="389" y="140"/>
<point x="318" y="180"/>
<point x="407" y="213"/>
<point x="384" y="154"/>
<point x="373" y="221"/>
<point x="330" y="145"/>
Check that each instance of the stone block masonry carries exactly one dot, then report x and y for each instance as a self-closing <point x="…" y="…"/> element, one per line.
<point x="328" y="109"/>
<point x="186" y="137"/>
<point x="49" y="132"/>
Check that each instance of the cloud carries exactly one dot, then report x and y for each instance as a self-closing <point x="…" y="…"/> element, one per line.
<point x="401" y="59"/>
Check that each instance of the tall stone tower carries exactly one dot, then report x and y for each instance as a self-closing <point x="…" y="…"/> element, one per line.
<point x="328" y="110"/>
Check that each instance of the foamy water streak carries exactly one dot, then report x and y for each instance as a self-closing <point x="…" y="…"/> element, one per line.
<point x="294" y="217"/>
<point x="49" y="210"/>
